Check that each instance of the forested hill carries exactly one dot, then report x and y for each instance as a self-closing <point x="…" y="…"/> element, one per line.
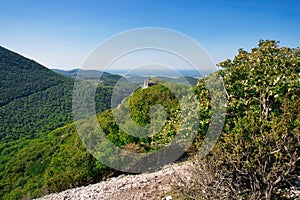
<point x="20" y="76"/>
<point x="106" y="78"/>
<point x="35" y="100"/>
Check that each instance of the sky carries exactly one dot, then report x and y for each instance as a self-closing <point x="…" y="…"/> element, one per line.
<point x="62" y="33"/>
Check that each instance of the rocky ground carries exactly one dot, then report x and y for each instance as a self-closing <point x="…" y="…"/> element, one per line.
<point x="150" y="186"/>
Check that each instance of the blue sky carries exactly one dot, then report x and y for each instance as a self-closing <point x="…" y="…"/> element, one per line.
<point x="61" y="34"/>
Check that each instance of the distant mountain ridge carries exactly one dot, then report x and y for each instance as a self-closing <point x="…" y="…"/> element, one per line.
<point x="87" y="74"/>
<point x="92" y="75"/>
<point x="134" y="78"/>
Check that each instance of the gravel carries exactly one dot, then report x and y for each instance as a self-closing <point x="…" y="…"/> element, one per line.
<point x="150" y="186"/>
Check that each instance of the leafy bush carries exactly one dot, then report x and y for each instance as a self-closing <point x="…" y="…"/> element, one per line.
<point x="258" y="152"/>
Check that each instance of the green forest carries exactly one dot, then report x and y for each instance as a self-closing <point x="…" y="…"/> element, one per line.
<point x="256" y="155"/>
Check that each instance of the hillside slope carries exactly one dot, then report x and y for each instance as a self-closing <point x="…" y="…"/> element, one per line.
<point x="34" y="102"/>
<point x="20" y="76"/>
<point x="33" y="98"/>
<point x="37" y="113"/>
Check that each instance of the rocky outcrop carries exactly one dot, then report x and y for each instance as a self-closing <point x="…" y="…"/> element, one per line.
<point x="148" y="83"/>
<point x="150" y="186"/>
